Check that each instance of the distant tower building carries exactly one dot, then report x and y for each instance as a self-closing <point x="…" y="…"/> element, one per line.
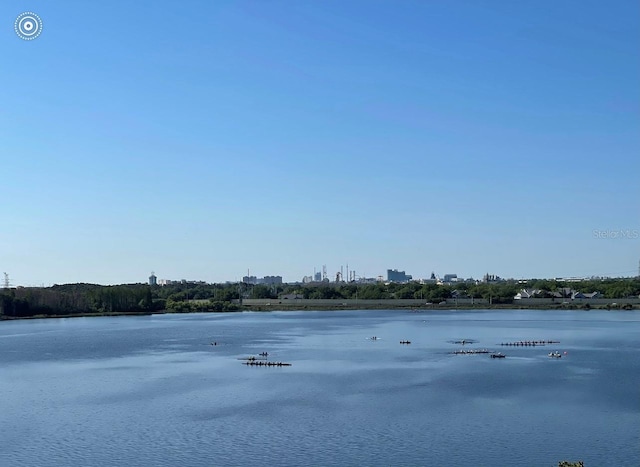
<point x="271" y="280"/>
<point x="153" y="280"/>
<point x="250" y="280"/>
<point x="393" y="275"/>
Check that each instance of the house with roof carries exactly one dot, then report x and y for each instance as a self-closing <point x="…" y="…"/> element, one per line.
<point x="569" y="293"/>
<point x="459" y="294"/>
<point x="564" y="292"/>
<point x="529" y="293"/>
<point x="585" y="295"/>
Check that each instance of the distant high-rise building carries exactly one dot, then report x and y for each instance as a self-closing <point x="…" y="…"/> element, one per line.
<point x="270" y="280"/>
<point x="450" y="278"/>
<point x="393" y="275"/>
<point x="250" y="279"/>
<point x="153" y="280"/>
<point x="491" y="278"/>
<point x="266" y="280"/>
<point x="317" y="277"/>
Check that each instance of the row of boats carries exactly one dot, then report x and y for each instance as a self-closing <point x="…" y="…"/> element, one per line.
<point x="529" y="343"/>
<point x="261" y="360"/>
<point x="554" y="354"/>
<point x="469" y="351"/>
<point x="263" y="363"/>
<point x="533" y="343"/>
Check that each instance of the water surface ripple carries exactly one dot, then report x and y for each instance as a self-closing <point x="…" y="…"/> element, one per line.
<point x="152" y="391"/>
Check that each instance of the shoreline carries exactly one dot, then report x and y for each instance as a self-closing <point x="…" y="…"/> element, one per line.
<point x="418" y="309"/>
<point x="80" y="315"/>
<point x="340" y="307"/>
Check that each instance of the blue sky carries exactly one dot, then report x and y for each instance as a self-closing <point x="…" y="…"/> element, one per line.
<point x="199" y="139"/>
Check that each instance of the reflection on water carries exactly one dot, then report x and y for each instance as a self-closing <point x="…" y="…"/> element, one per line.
<point x="153" y="391"/>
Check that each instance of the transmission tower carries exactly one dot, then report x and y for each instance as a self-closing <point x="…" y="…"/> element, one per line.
<point x="5" y="283"/>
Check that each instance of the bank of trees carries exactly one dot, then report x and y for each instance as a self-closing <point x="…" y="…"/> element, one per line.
<point x="76" y="299"/>
<point x="73" y="299"/>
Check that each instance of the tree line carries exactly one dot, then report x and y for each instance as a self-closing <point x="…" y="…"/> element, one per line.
<point x="75" y="299"/>
<point x="70" y="299"/>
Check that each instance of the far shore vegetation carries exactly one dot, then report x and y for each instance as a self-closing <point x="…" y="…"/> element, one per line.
<point x="99" y="300"/>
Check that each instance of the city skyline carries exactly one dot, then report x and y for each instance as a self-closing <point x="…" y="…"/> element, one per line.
<point x="317" y="276"/>
<point x="456" y="137"/>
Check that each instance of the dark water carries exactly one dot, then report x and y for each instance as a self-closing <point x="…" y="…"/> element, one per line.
<point x="152" y="391"/>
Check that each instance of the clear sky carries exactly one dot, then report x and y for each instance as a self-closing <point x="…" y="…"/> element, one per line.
<point x="199" y="139"/>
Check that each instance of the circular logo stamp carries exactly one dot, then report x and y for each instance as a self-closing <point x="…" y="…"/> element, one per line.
<point x="28" y="26"/>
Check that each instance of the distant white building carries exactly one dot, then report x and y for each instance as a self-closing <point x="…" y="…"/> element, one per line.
<point x="528" y="293"/>
<point x="428" y="281"/>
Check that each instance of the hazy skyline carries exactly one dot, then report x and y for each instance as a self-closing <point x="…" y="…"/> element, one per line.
<point x="200" y="139"/>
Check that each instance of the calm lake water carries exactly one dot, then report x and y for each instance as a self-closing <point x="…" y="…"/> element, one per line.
<point x="152" y="391"/>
